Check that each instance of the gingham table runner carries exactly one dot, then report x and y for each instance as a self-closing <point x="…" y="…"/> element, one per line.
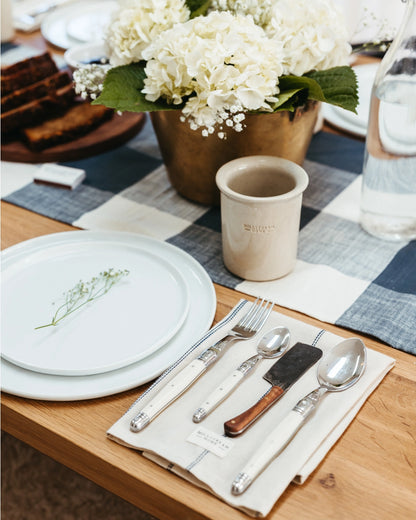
<point x="342" y="276"/>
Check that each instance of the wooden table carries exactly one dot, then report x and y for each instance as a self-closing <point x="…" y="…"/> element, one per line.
<point x="370" y="473"/>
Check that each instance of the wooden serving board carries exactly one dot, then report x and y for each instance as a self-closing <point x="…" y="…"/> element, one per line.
<point x="111" y="134"/>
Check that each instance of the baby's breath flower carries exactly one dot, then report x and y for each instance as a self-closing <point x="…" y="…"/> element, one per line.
<point x="259" y="10"/>
<point x="89" y="80"/>
<point x="86" y="292"/>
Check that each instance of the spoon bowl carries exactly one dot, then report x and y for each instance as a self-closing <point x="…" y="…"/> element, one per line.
<point x="274" y="343"/>
<point x="343" y="365"/>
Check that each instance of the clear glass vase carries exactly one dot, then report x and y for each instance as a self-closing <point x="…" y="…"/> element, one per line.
<point x="388" y="199"/>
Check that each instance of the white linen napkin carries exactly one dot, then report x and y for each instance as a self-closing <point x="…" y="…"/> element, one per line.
<point x="164" y="440"/>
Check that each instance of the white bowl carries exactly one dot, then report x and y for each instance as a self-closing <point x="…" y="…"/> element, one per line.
<point x="85" y="53"/>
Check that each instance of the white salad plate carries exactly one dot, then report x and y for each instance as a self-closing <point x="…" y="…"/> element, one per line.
<point x="202" y="303"/>
<point x="77" y="22"/>
<point x="136" y="317"/>
<point x="344" y="119"/>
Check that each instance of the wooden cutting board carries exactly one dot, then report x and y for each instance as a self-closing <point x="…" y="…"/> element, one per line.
<point x="111" y="134"/>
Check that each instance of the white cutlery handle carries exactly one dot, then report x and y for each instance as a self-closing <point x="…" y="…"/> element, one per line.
<point x="168" y="394"/>
<point x="218" y="395"/>
<point x="270" y="448"/>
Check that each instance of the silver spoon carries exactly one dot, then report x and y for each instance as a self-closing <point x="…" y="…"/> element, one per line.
<point x="273" y="344"/>
<point x="338" y="370"/>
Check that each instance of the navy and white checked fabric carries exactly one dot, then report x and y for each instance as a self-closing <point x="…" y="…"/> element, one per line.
<point x="342" y="276"/>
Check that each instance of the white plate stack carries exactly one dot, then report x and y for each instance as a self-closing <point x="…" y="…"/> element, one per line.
<point x="121" y="340"/>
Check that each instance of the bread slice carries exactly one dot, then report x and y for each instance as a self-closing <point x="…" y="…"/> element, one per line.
<point x="26" y="72"/>
<point x="28" y="63"/>
<point x="35" y="111"/>
<point x="36" y="91"/>
<point x="77" y="121"/>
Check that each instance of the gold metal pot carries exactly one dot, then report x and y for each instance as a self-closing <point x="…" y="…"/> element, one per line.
<point x="192" y="160"/>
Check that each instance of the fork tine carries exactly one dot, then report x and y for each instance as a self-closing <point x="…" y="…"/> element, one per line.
<point x="262" y="317"/>
<point x="254" y="316"/>
<point x="247" y="317"/>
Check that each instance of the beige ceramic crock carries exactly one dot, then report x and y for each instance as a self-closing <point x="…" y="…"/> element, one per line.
<point x="261" y="199"/>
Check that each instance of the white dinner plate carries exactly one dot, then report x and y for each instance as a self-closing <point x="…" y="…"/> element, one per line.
<point x="26" y="383"/>
<point x="77" y="22"/>
<point x="135" y="318"/>
<point x="346" y="120"/>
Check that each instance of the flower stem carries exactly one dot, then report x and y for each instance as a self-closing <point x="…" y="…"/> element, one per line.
<point x="85" y="292"/>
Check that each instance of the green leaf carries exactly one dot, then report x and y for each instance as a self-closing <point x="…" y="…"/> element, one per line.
<point x="122" y="90"/>
<point x="337" y="86"/>
<point x="301" y="82"/>
<point x="198" y="7"/>
<point x="290" y="99"/>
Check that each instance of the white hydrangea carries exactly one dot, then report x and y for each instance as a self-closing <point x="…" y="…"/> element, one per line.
<point x="139" y="22"/>
<point x="259" y="10"/>
<point x="220" y="65"/>
<point x="313" y="33"/>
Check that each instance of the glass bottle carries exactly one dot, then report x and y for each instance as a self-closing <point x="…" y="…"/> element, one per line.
<point x="388" y="198"/>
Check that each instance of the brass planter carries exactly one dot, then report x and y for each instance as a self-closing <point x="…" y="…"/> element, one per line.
<point x="192" y="160"/>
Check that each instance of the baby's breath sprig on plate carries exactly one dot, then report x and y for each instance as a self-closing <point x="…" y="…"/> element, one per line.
<point x="85" y="292"/>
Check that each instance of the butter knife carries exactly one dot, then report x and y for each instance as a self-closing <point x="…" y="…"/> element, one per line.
<point x="282" y="375"/>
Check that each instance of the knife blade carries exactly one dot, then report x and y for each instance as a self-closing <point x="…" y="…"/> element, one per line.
<point x="282" y="375"/>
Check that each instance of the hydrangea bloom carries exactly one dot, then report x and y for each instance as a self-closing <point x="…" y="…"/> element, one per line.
<point x="137" y="23"/>
<point x="313" y="34"/>
<point x="220" y="65"/>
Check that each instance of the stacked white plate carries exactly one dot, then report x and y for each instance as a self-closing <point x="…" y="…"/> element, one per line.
<point x="123" y="339"/>
<point x="78" y="22"/>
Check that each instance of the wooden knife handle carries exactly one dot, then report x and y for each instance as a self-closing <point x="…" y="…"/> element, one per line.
<point x="239" y="424"/>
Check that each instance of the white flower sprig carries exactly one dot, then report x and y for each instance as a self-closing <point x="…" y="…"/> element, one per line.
<point x="89" y="79"/>
<point x="85" y="292"/>
<point x="259" y="10"/>
<point x="384" y="32"/>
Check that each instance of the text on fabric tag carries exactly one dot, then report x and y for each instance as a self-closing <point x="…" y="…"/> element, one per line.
<point x="211" y="441"/>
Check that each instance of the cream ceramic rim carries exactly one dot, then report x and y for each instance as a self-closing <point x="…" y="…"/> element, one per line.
<point x="238" y="165"/>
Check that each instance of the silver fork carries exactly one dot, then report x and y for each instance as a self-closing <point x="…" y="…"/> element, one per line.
<point x="249" y="325"/>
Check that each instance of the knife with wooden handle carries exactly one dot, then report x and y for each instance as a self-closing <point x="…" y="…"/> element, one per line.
<point x="282" y="375"/>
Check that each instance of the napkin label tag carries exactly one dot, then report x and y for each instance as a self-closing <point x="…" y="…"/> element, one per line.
<point x="211" y="441"/>
<point x="59" y="176"/>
